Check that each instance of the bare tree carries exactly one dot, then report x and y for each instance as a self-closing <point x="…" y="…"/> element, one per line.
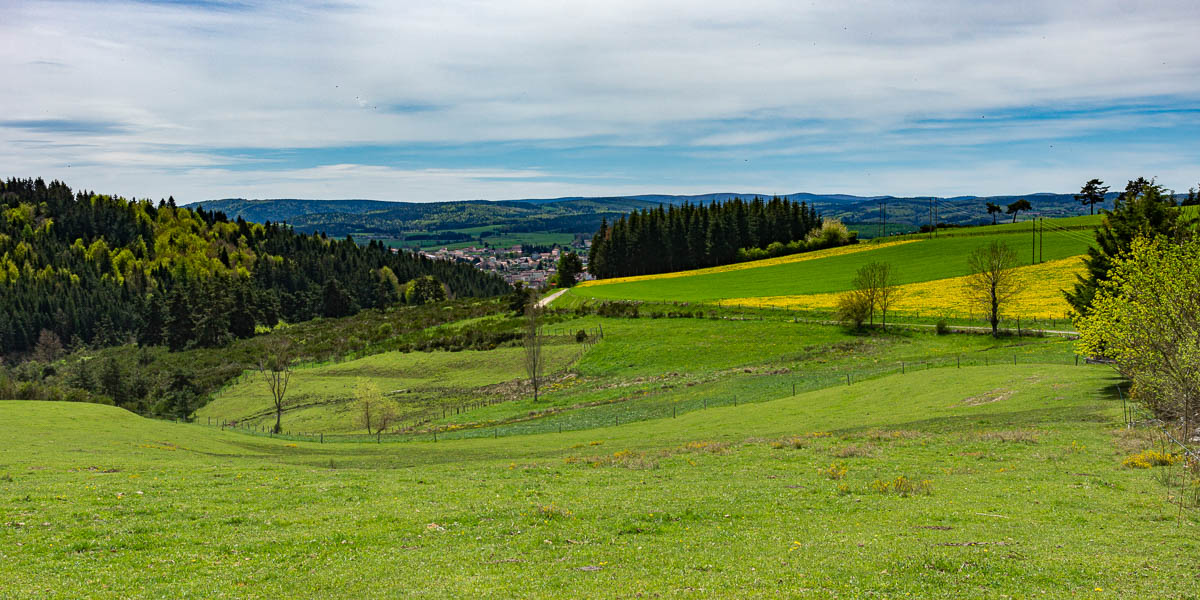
<point x="993" y="280"/>
<point x="888" y="293"/>
<point x="275" y="365"/>
<point x="535" y="356"/>
<point x="373" y="411"/>
<point x="876" y="289"/>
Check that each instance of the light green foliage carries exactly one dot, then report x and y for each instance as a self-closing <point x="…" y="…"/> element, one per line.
<point x="832" y="233"/>
<point x="424" y="290"/>
<point x="100" y="503"/>
<point x="373" y="411"/>
<point x="1147" y="319"/>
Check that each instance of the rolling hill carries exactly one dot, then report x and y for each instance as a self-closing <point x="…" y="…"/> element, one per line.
<point x="580" y="215"/>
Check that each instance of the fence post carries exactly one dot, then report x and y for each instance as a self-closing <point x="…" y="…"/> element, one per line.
<point x="847" y="379"/>
<point x="901" y="367"/>
<point x="672" y="411"/>
<point x="958" y="360"/>
<point x="1077" y="360"/>
<point x="1014" y="359"/>
<point x="322" y="438"/>
<point x="793" y="388"/>
<point x="435" y="436"/>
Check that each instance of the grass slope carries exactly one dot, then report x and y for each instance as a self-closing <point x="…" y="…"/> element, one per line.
<point x="918" y="261"/>
<point x="320" y="398"/>
<point x="641" y="369"/>
<point x="1023" y="468"/>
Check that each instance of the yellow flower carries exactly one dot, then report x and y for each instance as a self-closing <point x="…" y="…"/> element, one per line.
<point x="1040" y="296"/>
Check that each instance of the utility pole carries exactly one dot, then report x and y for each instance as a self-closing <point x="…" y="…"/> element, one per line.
<point x="937" y="209"/>
<point x="931" y="218"/>
<point x="1033" y="249"/>
<point x="1041" y="240"/>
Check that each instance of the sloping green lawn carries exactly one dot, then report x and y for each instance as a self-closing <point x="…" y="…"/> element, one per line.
<point x="1019" y="493"/>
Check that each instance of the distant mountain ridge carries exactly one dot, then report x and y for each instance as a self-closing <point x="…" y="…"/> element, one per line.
<point x="580" y="214"/>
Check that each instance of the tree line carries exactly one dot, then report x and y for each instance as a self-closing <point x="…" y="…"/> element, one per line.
<point x="691" y="236"/>
<point x="79" y="268"/>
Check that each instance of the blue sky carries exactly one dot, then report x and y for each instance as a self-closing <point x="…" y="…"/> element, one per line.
<point x="464" y="99"/>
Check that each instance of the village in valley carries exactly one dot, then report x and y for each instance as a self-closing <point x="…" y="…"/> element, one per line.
<point x="531" y="265"/>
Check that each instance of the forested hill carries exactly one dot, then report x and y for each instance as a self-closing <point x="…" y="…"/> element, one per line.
<point x="82" y="268"/>
<point x="583" y="215"/>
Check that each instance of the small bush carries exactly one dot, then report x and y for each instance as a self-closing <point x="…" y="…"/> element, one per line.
<point x="1151" y="458"/>
<point x="942" y="327"/>
<point x="834" y="471"/>
<point x="903" y="486"/>
<point x="794" y="442"/>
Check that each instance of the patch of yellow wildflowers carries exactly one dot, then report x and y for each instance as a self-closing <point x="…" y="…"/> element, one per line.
<point x="754" y="264"/>
<point x="1040" y="297"/>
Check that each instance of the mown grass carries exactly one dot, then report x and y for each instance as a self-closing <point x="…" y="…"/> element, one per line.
<point x="918" y="261"/>
<point x="1025" y="496"/>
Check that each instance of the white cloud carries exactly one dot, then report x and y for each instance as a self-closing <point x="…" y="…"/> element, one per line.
<point x="631" y="73"/>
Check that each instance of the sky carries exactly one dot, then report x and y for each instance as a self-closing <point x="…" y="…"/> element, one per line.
<point x="456" y="100"/>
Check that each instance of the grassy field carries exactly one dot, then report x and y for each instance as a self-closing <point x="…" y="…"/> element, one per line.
<point x="641" y="369"/>
<point x="913" y="262"/>
<point x="1018" y="492"/>
<point x="321" y="397"/>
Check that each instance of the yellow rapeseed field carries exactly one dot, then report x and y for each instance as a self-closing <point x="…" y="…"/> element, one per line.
<point x="1040" y="297"/>
<point x="755" y="264"/>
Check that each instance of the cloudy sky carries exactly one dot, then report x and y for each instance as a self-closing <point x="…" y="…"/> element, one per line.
<point x="456" y="100"/>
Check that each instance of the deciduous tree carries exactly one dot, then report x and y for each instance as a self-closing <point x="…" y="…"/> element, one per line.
<point x="373" y="411"/>
<point x="1146" y="317"/>
<point x="535" y="355"/>
<point x="993" y="280"/>
<point x="275" y="366"/>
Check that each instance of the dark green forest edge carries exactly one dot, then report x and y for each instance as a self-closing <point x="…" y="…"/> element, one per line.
<point x="692" y="236"/>
<point x="84" y="271"/>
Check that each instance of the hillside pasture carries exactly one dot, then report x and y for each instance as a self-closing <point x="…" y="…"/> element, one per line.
<point x="913" y="261"/>
<point x="985" y="482"/>
<point x="320" y="398"/>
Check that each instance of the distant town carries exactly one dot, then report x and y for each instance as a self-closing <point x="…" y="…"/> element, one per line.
<point x="530" y="265"/>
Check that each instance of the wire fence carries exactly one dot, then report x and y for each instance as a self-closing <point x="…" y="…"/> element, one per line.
<point x="644" y="404"/>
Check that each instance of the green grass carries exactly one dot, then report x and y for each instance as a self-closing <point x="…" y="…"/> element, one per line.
<point x="913" y="262"/>
<point x="320" y="398"/>
<point x="1027" y="498"/>
<point x="641" y="369"/>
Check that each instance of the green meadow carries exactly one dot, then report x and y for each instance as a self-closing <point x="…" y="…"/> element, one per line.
<point x="641" y="369"/>
<point x="916" y="261"/>
<point x="1010" y="485"/>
